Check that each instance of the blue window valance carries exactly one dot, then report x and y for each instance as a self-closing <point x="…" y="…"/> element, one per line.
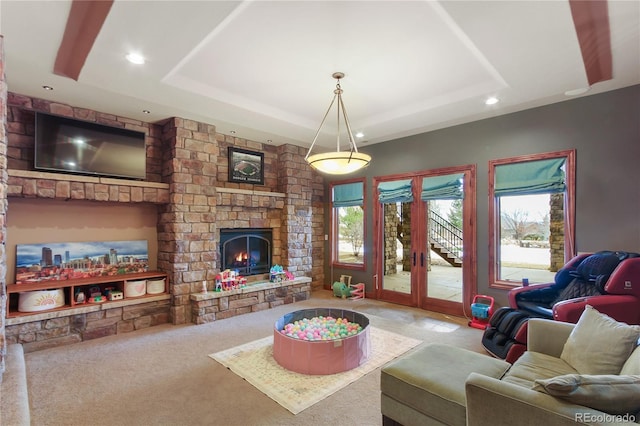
<point x="348" y="194"/>
<point x="447" y="187"/>
<point x="397" y="191"/>
<point x="530" y="177"/>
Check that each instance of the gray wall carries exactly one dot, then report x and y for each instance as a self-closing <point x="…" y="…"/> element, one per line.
<point x="605" y="131"/>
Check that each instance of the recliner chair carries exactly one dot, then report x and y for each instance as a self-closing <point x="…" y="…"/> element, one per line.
<point x="607" y="280"/>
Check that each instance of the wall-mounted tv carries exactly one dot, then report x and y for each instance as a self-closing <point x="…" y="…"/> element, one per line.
<point x="67" y="145"/>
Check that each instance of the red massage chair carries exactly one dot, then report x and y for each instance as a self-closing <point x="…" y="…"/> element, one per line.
<point x="607" y="280"/>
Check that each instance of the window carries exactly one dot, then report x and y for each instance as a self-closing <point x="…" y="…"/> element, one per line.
<point x="348" y="224"/>
<point x="531" y="217"/>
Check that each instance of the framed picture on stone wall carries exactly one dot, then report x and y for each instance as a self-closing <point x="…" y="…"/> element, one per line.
<point x="246" y="166"/>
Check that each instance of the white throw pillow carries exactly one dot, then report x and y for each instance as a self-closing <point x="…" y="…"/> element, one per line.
<point x="612" y="394"/>
<point x="599" y="344"/>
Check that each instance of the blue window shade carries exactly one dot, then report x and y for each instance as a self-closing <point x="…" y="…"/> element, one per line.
<point x="348" y="195"/>
<point x="447" y="187"/>
<point x="397" y="191"/>
<point x="530" y="177"/>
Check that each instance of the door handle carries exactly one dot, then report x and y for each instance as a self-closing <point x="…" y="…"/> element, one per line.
<point x="414" y="258"/>
<point x="422" y="260"/>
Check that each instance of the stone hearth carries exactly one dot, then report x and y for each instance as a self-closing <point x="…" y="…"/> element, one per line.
<point x="212" y="306"/>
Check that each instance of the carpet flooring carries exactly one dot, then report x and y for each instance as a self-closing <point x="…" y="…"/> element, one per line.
<point x="163" y="375"/>
<point x="296" y="392"/>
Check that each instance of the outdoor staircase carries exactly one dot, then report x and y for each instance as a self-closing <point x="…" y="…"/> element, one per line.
<point x="445" y="254"/>
<point x="445" y="239"/>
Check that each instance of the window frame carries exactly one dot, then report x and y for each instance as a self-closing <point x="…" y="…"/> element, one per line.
<point x="494" y="208"/>
<point x="335" y="228"/>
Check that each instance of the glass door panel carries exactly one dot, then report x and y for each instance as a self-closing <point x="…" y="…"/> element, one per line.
<point x="396" y="239"/>
<point x="445" y="250"/>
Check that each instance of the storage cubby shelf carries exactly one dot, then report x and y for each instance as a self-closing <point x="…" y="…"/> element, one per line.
<point x="117" y="281"/>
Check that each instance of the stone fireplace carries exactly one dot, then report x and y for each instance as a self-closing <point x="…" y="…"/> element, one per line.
<point x="188" y="191"/>
<point x="247" y="251"/>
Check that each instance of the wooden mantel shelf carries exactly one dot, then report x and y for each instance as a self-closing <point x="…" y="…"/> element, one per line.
<point x="65" y="186"/>
<point x="28" y="174"/>
<point x="65" y="177"/>
<point x="250" y="192"/>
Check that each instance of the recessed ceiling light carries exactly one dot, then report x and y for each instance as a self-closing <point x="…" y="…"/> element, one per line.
<point x="359" y="135"/>
<point x="233" y="132"/>
<point x="491" y="101"/>
<point x="269" y="140"/>
<point x="135" y="58"/>
<point x="146" y="111"/>
<point x="576" y="92"/>
<point x="47" y="87"/>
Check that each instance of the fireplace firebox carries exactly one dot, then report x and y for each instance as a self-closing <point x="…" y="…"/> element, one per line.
<point x="247" y="251"/>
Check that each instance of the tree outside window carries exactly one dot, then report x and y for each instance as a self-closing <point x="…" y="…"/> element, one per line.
<point x="350" y="234"/>
<point x="348" y="223"/>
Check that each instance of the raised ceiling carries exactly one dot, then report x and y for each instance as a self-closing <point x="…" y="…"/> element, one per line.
<point x="263" y="68"/>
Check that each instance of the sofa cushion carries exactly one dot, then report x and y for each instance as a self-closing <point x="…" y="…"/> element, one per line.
<point x="612" y="394"/>
<point x="535" y="365"/>
<point x="431" y="379"/>
<point x="599" y="344"/>
<point x="632" y="365"/>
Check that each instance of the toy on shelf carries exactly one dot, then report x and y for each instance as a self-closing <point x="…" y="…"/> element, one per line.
<point x="112" y="294"/>
<point x="80" y="297"/>
<point x="115" y="295"/>
<point x="97" y="299"/>
<point x="229" y="280"/>
<point x="481" y="311"/>
<point x="277" y="274"/>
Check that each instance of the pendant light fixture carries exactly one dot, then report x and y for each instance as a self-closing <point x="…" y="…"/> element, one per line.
<point x="338" y="162"/>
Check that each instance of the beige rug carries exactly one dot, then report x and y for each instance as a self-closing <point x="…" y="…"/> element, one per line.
<point x="254" y="362"/>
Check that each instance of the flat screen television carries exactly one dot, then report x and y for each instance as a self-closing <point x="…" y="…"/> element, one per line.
<point x="67" y="145"/>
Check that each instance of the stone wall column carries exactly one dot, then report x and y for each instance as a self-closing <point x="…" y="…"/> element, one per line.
<point x="3" y="208"/>
<point x="390" y="238"/>
<point x="187" y="224"/>
<point x="556" y="232"/>
<point x="301" y="214"/>
<point x="405" y="226"/>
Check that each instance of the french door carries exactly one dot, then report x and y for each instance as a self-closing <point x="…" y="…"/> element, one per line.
<point x="425" y="239"/>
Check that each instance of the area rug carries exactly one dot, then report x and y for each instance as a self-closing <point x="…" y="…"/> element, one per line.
<point x="296" y="392"/>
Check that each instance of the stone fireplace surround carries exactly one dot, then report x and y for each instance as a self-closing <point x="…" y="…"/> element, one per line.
<point x="187" y="181"/>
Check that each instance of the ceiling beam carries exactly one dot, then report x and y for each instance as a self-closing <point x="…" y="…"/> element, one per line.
<point x="591" y="20"/>
<point x="83" y="25"/>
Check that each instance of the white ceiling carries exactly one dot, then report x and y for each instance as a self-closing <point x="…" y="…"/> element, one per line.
<point x="263" y="68"/>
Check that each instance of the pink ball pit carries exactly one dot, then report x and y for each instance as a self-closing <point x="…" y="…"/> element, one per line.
<point x="321" y="357"/>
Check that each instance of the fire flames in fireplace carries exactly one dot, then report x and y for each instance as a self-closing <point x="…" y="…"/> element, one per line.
<point x="241" y="260"/>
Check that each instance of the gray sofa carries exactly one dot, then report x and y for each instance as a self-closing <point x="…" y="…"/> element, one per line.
<point x="439" y="384"/>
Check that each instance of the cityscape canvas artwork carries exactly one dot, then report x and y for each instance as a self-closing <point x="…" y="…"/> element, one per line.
<point x="65" y="261"/>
